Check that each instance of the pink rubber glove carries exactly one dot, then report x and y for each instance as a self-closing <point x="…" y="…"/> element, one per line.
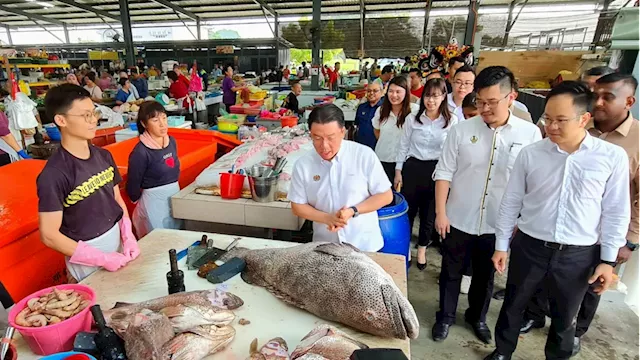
<point x="129" y="243"/>
<point x="89" y="256"/>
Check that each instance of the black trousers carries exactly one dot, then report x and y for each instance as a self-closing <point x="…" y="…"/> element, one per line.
<point x="390" y="170"/>
<point x="4" y="159"/>
<point x="538" y="308"/>
<point x="419" y="190"/>
<point x="565" y="272"/>
<point x="460" y="249"/>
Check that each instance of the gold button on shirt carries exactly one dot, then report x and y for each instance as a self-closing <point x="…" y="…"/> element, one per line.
<point x="627" y="136"/>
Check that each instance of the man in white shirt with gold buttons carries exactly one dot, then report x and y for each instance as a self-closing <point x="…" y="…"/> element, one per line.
<point x="566" y="194"/>
<point x="475" y="164"/>
<point x="340" y="186"/>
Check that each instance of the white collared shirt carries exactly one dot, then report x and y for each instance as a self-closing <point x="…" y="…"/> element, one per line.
<point x="351" y="177"/>
<point x="455" y="109"/>
<point x="390" y="134"/>
<point x="573" y="199"/>
<point x="423" y="141"/>
<point x="477" y="160"/>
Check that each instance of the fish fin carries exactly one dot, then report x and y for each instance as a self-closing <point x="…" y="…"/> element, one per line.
<point x="284" y="297"/>
<point x="253" y="348"/>
<point x="335" y="249"/>
<point x="391" y="302"/>
<point x="120" y="304"/>
<point x="173" y="311"/>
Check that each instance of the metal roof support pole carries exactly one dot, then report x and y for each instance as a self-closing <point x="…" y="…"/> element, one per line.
<point x="66" y="33"/>
<point x="427" y="11"/>
<point x="362" y="8"/>
<point x="9" y="35"/>
<point x="276" y="33"/>
<point x="125" y="19"/>
<point x="511" y="22"/>
<point x="198" y="28"/>
<point x="315" y="44"/>
<point x="472" y="21"/>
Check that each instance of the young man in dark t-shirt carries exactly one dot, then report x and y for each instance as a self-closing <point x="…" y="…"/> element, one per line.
<point x="291" y="101"/>
<point x="81" y="212"/>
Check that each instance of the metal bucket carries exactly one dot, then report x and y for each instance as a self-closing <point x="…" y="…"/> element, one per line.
<point x="263" y="190"/>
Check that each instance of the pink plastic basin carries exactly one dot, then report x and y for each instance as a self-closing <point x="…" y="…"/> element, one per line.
<point x="59" y="337"/>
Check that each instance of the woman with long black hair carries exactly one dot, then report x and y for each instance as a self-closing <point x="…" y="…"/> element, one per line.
<point x="389" y="120"/>
<point x="418" y="153"/>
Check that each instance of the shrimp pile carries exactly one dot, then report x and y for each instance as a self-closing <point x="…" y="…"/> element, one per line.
<point x="52" y="308"/>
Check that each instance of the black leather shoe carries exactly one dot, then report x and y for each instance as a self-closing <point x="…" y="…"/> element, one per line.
<point x="495" y="355"/>
<point x="440" y="331"/>
<point x="421" y="267"/>
<point x="576" y="346"/>
<point x="499" y="295"/>
<point x="482" y="331"/>
<point x="529" y="325"/>
<point x="480" y="328"/>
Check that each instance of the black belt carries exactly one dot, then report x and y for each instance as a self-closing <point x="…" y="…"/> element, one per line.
<point x="418" y="160"/>
<point x="554" y="245"/>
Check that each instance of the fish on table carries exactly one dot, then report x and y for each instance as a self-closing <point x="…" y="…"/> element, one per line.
<point x="199" y="342"/>
<point x="336" y="282"/>
<point x="274" y="349"/>
<point x="202" y="305"/>
<point x="326" y="342"/>
<point x="188" y="316"/>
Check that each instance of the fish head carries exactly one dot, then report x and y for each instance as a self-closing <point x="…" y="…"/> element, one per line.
<point x="224" y="300"/>
<point x="391" y="315"/>
<point x="275" y="349"/>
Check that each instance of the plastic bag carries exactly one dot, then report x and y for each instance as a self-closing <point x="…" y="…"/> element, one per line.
<point x="199" y="100"/>
<point x="20" y="112"/>
<point x="114" y="118"/>
<point x="195" y="85"/>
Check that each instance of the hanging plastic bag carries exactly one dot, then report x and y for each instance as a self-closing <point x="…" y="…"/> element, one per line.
<point x="20" y="112"/>
<point x="114" y="118"/>
<point x="199" y="100"/>
<point x="195" y="85"/>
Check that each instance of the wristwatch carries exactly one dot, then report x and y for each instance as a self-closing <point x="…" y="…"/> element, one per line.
<point x="611" y="263"/>
<point x="632" y="246"/>
<point x="355" y="211"/>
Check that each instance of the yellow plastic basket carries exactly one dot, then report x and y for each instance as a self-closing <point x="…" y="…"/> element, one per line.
<point x="256" y="96"/>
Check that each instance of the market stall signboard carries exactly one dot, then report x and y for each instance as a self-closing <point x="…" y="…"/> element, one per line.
<point x="224" y="49"/>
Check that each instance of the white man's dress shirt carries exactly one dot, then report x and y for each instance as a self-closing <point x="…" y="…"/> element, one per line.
<point x="572" y="199"/>
<point x="423" y="141"/>
<point x="477" y="161"/>
<point x="351" y="177"/>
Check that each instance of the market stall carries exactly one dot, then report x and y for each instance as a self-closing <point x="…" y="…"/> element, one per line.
<point x="262" y="317"/>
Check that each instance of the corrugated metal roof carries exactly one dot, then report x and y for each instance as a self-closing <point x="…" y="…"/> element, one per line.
<point x="150" y="11"/>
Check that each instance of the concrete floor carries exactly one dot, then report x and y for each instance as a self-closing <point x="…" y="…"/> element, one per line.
<point x="613" y="334"/>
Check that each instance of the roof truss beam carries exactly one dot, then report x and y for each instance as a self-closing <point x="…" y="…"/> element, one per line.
<point x="90" y="9"/>
<point x="177" y="9"/>
<point x="265" y="7"/>
<point x="30" y="16"/>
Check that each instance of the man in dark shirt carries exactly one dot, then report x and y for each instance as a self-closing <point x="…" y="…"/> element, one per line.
<point x="291" y="101"/>
<point x="140" y="83"/>
<point x="81" y="212"/>
<point x="364" y="114"/>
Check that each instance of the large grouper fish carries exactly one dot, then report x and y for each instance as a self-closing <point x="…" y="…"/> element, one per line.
<point x="334" y="281"/>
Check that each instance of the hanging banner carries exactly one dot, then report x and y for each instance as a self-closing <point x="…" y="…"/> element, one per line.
<point x="224" y="49"/>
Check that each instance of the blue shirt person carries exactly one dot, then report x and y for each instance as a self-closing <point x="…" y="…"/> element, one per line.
<point x="364" y="114"/>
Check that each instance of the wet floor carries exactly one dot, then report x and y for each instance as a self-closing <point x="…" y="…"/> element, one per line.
<point x="613" y="334"/>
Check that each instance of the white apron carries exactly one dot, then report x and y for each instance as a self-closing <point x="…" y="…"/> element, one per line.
<point x="108" y="242"/>
<point x="13" y="155"/>
<point x="154" y="210"/>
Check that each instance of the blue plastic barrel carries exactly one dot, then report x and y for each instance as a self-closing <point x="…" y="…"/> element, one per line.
<point x="396" y="231"/>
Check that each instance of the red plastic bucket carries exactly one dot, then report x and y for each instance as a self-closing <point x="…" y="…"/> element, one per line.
<point x="58" y="337"/>
<point x="231" y="185"/>
<point x="289" y="121"/>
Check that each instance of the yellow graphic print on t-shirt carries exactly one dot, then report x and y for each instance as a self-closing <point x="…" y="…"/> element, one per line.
<point x="88" y="187"/>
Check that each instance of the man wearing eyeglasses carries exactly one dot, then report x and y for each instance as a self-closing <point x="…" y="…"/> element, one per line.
<point x="560" y="209"/>
<point x="364" y="114"/>
<point x="475" y="164"/>
<point x="81" y="212"/>
<point x="463" y="79"/>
